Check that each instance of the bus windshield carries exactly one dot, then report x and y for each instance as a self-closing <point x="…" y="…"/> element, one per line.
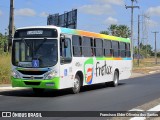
<point x="27" y="52"/>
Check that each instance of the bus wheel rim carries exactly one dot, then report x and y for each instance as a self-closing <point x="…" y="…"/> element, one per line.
<point x="76" y="83"/>
<point x="116" y="80"/>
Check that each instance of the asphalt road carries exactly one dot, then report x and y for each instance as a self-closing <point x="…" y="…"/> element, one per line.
<point x="129" y="94"/>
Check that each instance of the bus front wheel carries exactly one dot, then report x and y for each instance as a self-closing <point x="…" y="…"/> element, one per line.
<point x="77" y="85"/>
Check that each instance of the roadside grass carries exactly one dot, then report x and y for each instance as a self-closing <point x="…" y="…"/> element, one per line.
<point x="146" y="65"/>
<point x="5" y="68"/>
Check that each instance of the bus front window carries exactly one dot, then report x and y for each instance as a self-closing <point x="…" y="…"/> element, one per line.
<point x="26" y="51"/>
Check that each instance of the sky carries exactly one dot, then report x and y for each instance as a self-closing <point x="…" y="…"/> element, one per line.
<point x="93" y="15"/>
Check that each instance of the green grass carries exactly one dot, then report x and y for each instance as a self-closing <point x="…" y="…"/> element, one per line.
<point x="5" y="68"/>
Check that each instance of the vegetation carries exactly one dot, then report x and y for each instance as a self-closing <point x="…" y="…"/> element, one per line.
<point x="144" y="50"/>
<point x="5" y="68"/>
<point x="4" y="61"/>
<point x="3" y="40"/>
<point x="118" y="30"/>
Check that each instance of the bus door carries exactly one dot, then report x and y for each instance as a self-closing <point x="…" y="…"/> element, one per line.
<point x="65" y="63"/>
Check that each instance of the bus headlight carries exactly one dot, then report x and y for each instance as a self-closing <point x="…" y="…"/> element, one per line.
<point x="50" y="74"/>
<point x="15" y="74"/>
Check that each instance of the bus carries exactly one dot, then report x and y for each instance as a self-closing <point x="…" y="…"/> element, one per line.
<point x="50" y="57"/>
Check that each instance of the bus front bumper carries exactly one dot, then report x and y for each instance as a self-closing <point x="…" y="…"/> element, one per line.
<point x="48" y="84"/>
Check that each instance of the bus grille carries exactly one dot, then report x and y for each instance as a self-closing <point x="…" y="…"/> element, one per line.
<point x="32" y="72"/>
<point x="32" y="83"/>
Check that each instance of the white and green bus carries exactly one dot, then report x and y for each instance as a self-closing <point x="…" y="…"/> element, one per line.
<point x="50" y="57"/>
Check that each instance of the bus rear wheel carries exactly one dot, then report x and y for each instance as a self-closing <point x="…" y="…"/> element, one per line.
<point x="115" y="81"/>
<point x="77" y="85"/>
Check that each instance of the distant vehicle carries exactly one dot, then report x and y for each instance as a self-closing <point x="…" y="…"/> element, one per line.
<point x="50" y="57"/>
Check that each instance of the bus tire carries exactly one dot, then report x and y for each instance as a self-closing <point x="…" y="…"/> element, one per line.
<point x="38" y="91"/>
<point x="115" y="81"/>
<point x="77" y="85"/>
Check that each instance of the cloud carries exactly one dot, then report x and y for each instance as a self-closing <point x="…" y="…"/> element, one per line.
<point x="152" y="23"/>
<point x="97" y="9"/>
<point x="25" y="12"/>
<point x="154" y="11"/>
<point x="0" y="13"/>
<point x="114" y="2"/>
<point x="111" y="20"/>
<point x="44" y="14"/>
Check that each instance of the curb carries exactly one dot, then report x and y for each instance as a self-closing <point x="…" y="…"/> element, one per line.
<point x="9" y="88"/>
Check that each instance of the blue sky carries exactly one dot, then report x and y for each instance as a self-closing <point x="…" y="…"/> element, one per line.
<point x="93" y="15"/>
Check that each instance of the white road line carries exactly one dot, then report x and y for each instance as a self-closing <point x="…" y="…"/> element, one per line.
<point x="138" y="118"/>
<point x="136" y="110"/>
<point x="156" y="109"/>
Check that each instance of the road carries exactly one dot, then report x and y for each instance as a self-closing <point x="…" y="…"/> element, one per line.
<point x="129" y="94"/>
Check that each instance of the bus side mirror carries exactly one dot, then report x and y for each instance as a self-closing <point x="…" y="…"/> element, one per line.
<point x="5" y="47"/>
<point x="62" y="37"/>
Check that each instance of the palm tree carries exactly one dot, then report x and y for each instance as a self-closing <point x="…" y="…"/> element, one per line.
<point x="119" y="30"/>
<point x="113" y="29"/>
<point x="123" y="31"/>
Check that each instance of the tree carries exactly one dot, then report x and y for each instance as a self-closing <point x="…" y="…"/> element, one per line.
<point x="3" y="39"/>
<point x="123" y="31"/>
<point x="113" y="29"/>
<point x="145" y="50"/>
<point x="104" y="32"/>
<point x="118" y="30"/>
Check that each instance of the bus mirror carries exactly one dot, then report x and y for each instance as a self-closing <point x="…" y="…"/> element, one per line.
<point x="62" y="37"/>
<point x="5" y="47"/>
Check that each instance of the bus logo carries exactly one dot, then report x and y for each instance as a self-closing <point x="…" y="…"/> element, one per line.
<point x="89" y="75"/>
<point x="88" y="71"/>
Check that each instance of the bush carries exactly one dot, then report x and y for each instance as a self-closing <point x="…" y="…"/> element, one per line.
<point x="5" y="68"/>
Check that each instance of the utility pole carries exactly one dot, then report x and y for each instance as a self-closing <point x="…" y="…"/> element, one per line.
<point x="155" y="53"/>
<point x="11" y="24"/>
<point x="132" y="8"/>
<point x="138" y="38"/>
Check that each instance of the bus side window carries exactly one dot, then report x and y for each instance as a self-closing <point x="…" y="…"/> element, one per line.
<point x="115" y="46"/>
<point x="65" y="51"/>
<point x="107" y="46"/>
<point x="77" y="45"/>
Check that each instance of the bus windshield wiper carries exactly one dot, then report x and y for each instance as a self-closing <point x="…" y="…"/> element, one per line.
<point x="25" y="42"/>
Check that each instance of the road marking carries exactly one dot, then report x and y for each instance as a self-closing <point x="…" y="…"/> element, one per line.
<point x="154" y="109"/>
<point x="136" y="110"/>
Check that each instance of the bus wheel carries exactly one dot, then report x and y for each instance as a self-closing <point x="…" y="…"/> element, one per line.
<point x="38" y="91"/>
<point x="115" y="81"/>
<point x="77" y="85"/>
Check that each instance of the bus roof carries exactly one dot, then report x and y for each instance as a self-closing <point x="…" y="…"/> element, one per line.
<point x="92" y="34"/>
<point x="82" y="33"/>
